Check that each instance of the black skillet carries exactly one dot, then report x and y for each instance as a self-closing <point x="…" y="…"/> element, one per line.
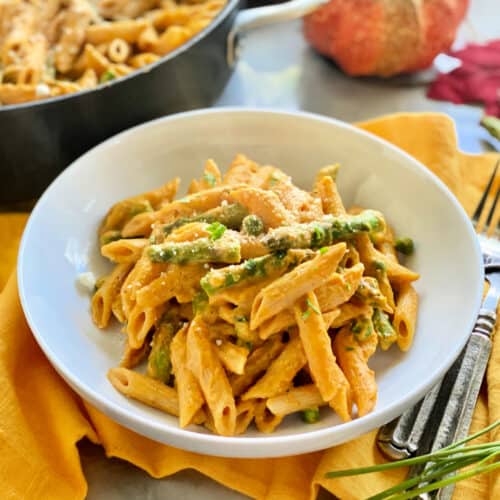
<point x="39" y="139"/>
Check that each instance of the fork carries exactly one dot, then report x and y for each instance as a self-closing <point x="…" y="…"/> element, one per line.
<point x="445" y="413"/>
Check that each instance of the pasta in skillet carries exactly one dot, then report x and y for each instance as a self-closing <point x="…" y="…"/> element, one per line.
<point x="55" y="47"/>
<point x="250" y="299"/>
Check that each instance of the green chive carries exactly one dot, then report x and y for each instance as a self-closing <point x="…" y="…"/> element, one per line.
<point x="440" y="467"/>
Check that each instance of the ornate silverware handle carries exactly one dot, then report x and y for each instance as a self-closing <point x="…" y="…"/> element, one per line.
<point x="457" y="416"/>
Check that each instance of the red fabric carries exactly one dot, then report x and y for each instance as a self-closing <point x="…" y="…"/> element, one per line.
<point x="476" y="80"/>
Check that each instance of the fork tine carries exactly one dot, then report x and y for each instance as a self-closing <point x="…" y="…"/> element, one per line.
<point x="482" y="201"/>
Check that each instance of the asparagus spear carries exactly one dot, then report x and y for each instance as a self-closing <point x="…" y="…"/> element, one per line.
<point x="229" y="215"/>
<point x="385" y="331"/>
<point x="218" y="279"/>
<point x="225" y="249"/>
<point x="159" y="364"/>
<point x="325" y="232"/>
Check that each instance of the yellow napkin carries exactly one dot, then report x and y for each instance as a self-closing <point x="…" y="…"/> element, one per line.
<point x="41" y="419"/>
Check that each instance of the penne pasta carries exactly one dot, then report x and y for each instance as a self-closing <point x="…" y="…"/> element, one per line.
<point x="257" y="363"/>
<point x="350" y="311"/>
<point x="189" y="393"/>
<point x="206" y="367"/>
<point x="280" y="372"/>
<point x="264" y="204"/>
<point x="340" y="288"/>
<point x="294" y="400"/>
<point x="353" y="362"/>
<point x="283" y="292"/>
<point x="325" y="372"/>
<point x="264" y="419"/>
<point x="245" y="413"/>
<point x="405" y="316"/>
<point x="140" y="321"/>
<point x="331" y="202"/>
<point x="128" y="30"/>
<point x="250" y="298"/>
<point x="124" y="251"/>
<point x="279" y="323"/>
<point x="52" y="47"/>
<point x="144" y="389"/>
<point x="233" y="357"/>
<point x="133" y="357"/>
<point x="102" y="301"/>
<point x="181" y="282"/>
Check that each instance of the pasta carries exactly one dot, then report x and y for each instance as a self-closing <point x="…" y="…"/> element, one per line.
<point x="51" y="48"/>
<point x="250" y="299"/>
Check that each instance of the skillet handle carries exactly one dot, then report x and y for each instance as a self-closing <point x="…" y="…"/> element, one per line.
<point x="253" y="18"/>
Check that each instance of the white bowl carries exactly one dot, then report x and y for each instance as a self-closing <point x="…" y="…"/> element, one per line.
<point x="59" y="243"/>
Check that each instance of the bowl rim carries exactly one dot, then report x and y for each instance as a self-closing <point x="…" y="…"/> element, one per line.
<point x="242" y="446"/>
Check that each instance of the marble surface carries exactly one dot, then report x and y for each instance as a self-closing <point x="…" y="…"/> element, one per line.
<point x="277" y="69"/>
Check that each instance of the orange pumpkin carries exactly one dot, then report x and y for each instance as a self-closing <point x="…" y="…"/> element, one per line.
<point x="384" y="37"/>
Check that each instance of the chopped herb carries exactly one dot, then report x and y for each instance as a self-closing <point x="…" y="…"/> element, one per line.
<point x="312" y="306"/>
<point x="306" y="314"/>
<point x="404" y="246"/>
<point x="210" y="178"/>
<point x="310" y="415"/>
<point x="349" y="348"/>
<point x="273" y="180"/>
<point x="107" y="76"/>
<point x="356" y="327"/>
<point x="323" y="250"/>
<point x="244" y="343"/>
<point x="216" y="230"/>
<point x="200" y="302"/>
<point x="241" y="319"/>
